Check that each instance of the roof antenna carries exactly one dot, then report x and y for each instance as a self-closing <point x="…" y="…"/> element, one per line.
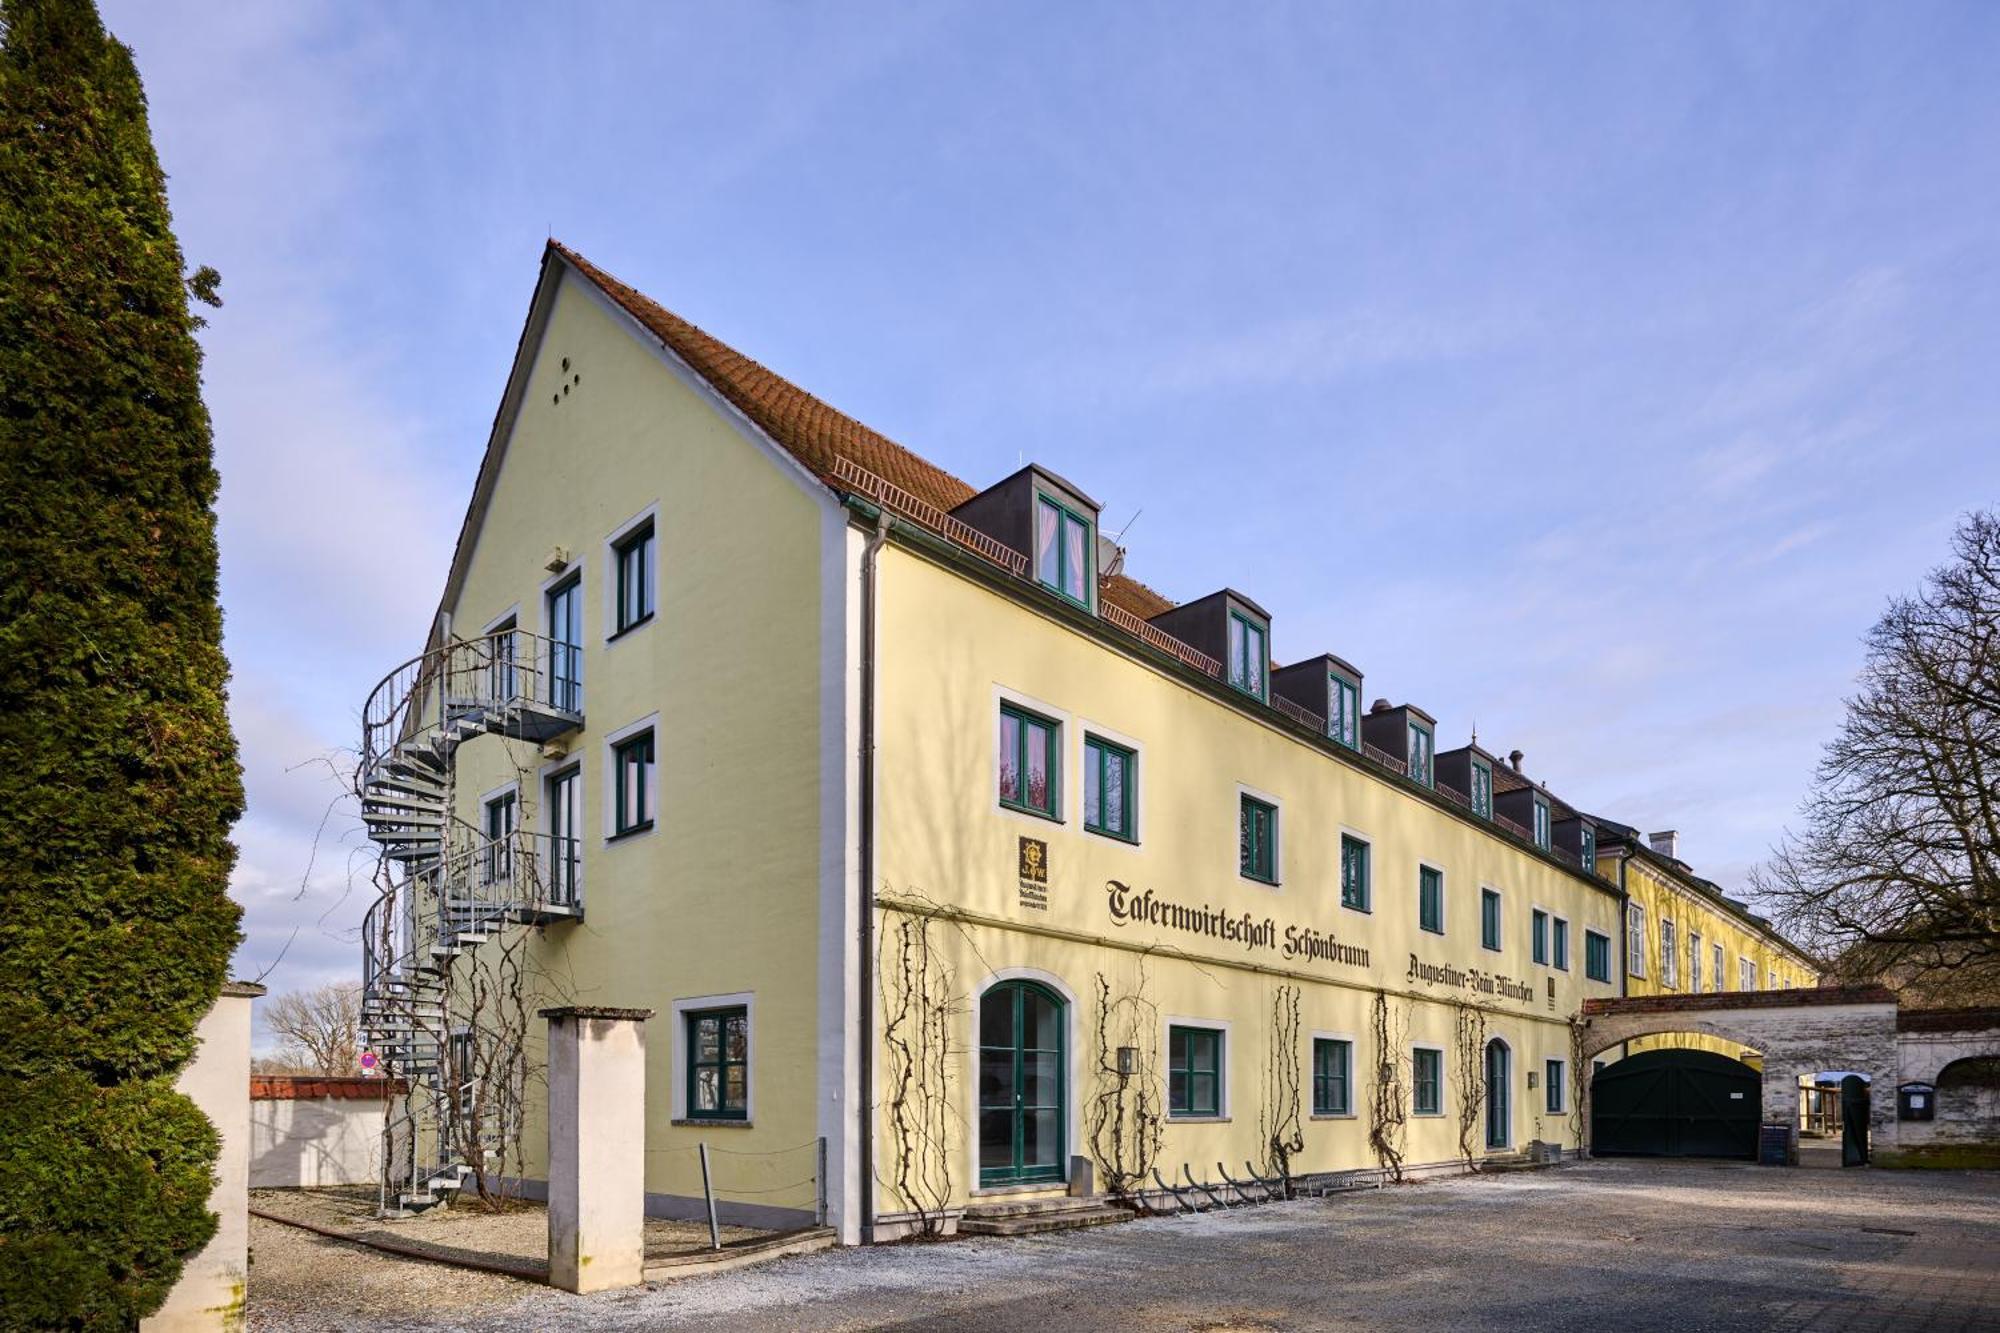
<point x="1120" y="538"/>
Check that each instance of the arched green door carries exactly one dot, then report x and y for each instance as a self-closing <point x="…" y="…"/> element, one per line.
<point x="1498" y="1113"/>
<point x="1022" y="1107"/>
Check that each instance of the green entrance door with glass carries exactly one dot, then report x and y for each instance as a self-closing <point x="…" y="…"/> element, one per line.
<point x="1022" y="1092"/>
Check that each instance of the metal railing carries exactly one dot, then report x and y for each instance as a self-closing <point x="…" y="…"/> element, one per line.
<point x="483" y="882"/>
<point x="1155" y="637"/>
<point x="891" y="496"/>
<point x="1305" y="717"/>
<point x="1384" y="758"/>
<point x="510" y="668"/>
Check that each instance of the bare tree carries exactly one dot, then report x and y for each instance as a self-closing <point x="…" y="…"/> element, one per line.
<point x="320" y="1029"/>
<point x="1897" y="871"/>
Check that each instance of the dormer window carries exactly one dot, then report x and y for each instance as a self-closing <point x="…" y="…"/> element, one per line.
<point x="1420" y="750"/>
<point x="1541" y="821"/>
<point x="1588" y="852"/>
<point x="1063" y="550"/>
<point x="1249" y="658"/>
<point x="1343" y="717"/>
<point x="1482" y="788"/>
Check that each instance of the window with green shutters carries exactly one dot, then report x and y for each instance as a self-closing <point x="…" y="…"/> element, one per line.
<point x="1333" y="1070"/>
<point x="1596" y="956"/>
<point x="1482" y="789"/>
<point x="1538" y="937"/>
<point x="1064" y="550"/>
<point x="718" y="1067"/>
<point x="1249" y="659"/>
<point x="1421" y="746"/>
<point x="1259" y="829"/>
<point x="1430" y="899"/>
<point x="1354" y="891"/>
<point x="1343" y="719"/>
<point x="1427" y="1081"/>
<point x="1110" y="788"/>
<point x="1194" y="1071"/>
<point x="1029" y="762"/>
<point x="1489" y="919"/>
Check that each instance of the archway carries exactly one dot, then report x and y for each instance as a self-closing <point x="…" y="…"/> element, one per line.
<point x="1023" y="1092"/>
<point x="1499" y="1106"/>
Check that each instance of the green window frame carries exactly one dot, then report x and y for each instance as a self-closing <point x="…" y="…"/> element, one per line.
<point x="1588" y="843"/>
<point x="1194" y="1071"/>
<point x="1343" y="717"/>
<point x="1482" y="789"/>
<point x="1596" y="956"/>
<point x="1489" y="920"/>
<point x="1422" y="747"/>
<point x="502" y="814"/>
<point x="1024" y="738"/>
<point x="1430" y="899"/>
<point x="1355" y="890"/>
<point x="1258" y="828"/>
<point x="632" y="772"/>
<point x="1426" y="1081"/>
<point x="718" y="1063"/>
<point x="1333" y="1076"/>
<point x="633" y="555"/>
<point x="1559" y="944"/>
<point x="1538" y="935"/>
<point x="1110" y="789"/>
<point x="1541" y="821"/>
<point x="1555" y="1086"/>
<point x="1249" y="656"/>
<point x="1065" y="550"/>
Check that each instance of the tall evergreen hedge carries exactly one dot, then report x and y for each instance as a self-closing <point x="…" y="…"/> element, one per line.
<point x="118" y="772"/>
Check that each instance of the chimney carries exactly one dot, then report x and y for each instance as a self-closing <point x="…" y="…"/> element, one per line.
<point x="1379" y="706"/>
<point x="1514" y="758"/>
<point x="1667" y="844"/>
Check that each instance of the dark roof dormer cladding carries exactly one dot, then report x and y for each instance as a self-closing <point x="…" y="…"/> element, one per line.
<point x="1395" y="732"/>
<point x="1329" y="687"/>
<point x="1468" y="770"/>
<point x="1233" y="630"/>
<point x="1052" y="521"/>
<point x="1577" y="835"/>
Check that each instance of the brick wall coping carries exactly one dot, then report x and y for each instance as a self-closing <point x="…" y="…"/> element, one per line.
<point x="310" y="1087"/>
<point x="596" y="1011"/>
<point x="1748" y="999"/>
<point x="1948" y="1020"/>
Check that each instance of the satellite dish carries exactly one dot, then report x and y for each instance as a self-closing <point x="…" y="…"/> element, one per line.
<point x="1110" y="557"/>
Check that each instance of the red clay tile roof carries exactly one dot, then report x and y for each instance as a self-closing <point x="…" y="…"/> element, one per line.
<point x="306" y="1087"/>
<point x="806" y="427"/>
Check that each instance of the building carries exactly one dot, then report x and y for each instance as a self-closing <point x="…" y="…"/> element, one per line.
<point x="926" y="832"/>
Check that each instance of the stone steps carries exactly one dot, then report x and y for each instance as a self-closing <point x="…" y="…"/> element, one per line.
<point x="1032" y="1217"/>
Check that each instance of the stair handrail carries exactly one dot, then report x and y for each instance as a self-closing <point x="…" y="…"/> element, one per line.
<point x="507" y="668"/>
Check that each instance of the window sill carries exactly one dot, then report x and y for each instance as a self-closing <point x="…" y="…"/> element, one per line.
<point x="1020" y="1187"/>
<point x="1109" y="836"/>
<point x="1427" y="1115"/>
<point x="626" y="835"/>
<point x="1257" y="879"/>
<point x="1432" y="930"/>
<point x="1198" y="1119"/>
<point x="1351" y="907"/>
<point x="1030" y="812"/>
<point x="718" y="1122"/>
<point x="640" y="623"/>
<point x="1333" y="1115"/>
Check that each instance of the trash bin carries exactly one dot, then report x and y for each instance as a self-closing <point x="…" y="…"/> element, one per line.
<point x="1774" y="1144"/>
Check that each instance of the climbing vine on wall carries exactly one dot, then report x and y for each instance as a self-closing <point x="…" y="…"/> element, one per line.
<point x="1388" y="1106"/>
<point x="1125" y="1119"/>
<point x="1278" y="1123"/>
<point x="1469" y="1083"/>
<point x="919" y="1007"/>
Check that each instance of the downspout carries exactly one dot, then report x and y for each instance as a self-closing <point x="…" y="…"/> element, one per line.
<point x="1624" y="945"/>
<point x="865" y="1098"/>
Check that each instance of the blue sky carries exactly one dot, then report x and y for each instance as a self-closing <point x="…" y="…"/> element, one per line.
<point x="1589" y="374"/>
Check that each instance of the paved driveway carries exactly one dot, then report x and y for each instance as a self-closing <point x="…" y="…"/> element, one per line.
<point x="1595" y="1245"/>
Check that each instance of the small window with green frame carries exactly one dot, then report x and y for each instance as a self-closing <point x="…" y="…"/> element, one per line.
<point x="1110" y="788"/>
<point x="1426" y="1081"/>
<point x="1333" y="1076"/>
<point x="1343" y="713"/>
<point x="1030" y="762"/>
<point x="718" y="1063"/>
<point x="1430" y="899"/>
<point x="1258" y="825"/>
<point x="1064" y="550"/>
<point x="1489" y="920"/>
<point x="1482" y="788"/>
<point x="1421" y="748"/>
<point x="1354" y="887"/>
<point x="1541" y="821"/>
<point x="633" y="798"/>
<point x="1194" y="1071"/>
<point x="1587" y="848"/>
<point x="1249" y="658"/>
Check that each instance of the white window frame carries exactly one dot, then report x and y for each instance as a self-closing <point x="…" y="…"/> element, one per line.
<point x="1222" y="1092"/>
<point x="1746" y="973"/>
<point x="1719" y="959"/>
<point x="609" y="596"/>
<point x="1694" y="962"/>
<point x="1444" y="1093"/>
<point x="1353" y="1091"/>
<point x="608" y="811"/>
<point x="1635" y="939"/>
<point x="681" y="1055"/>
<point x="1670" y="956"/>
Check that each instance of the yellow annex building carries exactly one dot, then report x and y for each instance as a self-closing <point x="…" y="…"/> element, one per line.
<point x="957" y="867"/>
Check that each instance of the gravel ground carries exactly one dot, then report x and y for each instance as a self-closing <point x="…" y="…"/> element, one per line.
<point x="1638" y="1246"/>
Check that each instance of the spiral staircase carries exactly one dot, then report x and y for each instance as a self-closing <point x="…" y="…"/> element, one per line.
<point x="446" y="888"/>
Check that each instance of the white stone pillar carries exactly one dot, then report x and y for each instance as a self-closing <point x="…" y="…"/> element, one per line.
<point x="209" y="1295"/>
<point x="597" y="1147"/>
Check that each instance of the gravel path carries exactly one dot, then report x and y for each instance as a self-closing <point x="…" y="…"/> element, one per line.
<point x="1637" y="1246"/>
